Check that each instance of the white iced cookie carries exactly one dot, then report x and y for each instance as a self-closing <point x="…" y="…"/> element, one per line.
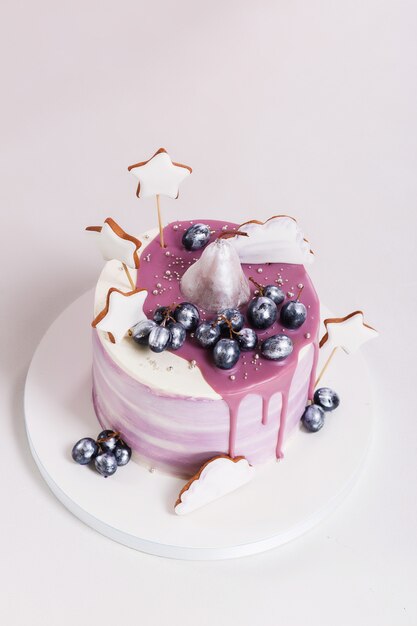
<point x="115" y="243"/>
<point x="349" y="332"/>
<point x="278" y="240"/>
<point x="218" y="477"/>
<point x="159" y="175"/>
<point x="122" y="311"/>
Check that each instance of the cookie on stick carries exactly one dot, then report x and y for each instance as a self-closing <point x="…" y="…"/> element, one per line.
<point x="121" y="312"/>
<point x="115" y="243"/>
<point x="349" y="333"/>
<point x="159" y="176"/>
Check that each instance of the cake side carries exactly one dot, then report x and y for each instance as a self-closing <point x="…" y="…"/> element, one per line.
<point x="177" y="433"/>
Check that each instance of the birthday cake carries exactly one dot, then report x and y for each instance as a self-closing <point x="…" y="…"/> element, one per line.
<point x="205" y="343"/>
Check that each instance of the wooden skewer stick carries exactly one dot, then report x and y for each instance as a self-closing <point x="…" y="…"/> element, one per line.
<point x="325" y="366"/>
<point x="161" y="228"/>
<point x="130" y="279"/>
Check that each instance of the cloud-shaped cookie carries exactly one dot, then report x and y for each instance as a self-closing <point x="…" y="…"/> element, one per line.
<point x="278" y="240"/>
<point x="219" y="476"/>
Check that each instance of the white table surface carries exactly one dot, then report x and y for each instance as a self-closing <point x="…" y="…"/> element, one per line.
<point x="305" y="108"/>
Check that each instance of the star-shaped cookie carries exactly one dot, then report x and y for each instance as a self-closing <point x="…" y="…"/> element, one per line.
<point x="159" y="175"/>
<point x="115" y="243"/>
<point x="349" y="332"/>
<point x="122" y="311"/>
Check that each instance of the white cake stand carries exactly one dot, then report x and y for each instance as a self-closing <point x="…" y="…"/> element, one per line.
<point x="135" y="506"/>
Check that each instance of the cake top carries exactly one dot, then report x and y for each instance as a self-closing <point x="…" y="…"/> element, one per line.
<point x="159" y="286"/>
<point x="161" y="272"/>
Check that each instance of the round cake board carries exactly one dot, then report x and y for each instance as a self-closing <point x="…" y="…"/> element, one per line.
<point x="136" y="506"/>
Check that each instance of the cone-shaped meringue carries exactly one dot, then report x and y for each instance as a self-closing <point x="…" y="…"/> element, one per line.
<point x="216" y="281"/>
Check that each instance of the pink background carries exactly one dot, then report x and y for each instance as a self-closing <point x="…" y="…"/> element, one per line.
<point x="306" y="108"/>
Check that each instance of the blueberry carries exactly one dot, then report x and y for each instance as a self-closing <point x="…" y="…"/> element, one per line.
<point x="313" y="418"/>
<point x="160" y="314"/>
<point x="106" y="464"/>
<point x="122" y="453"/>
<point x="141" y="331"/>
<point x="85" y="450"/>
<point x="226" y="353"/>
<point x="107" y="440"/>
<point x="159" y="338"/>
<point x="187" y="314"/>
<point x="178" y="335"/>
<point x="235" y="318"/>
<point x="326" y="398"/>
<point x="275" y="293"/>
<point x="247" y="339"/>
<point x="262" y="312"/>
<point x="277" y="347"/>
<point x="293" y="314"/>
<point x="207" y="334"/>
<point x="196" y="237"/>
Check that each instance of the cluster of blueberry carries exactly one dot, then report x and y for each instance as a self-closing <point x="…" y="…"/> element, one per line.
<point x="169" y="327"/>
<point x="263" y="309"/>
<point x="226" y="333"/>
<point x="108" y="452"/>
<point x="262" y="313"/>
<point x="226" y="349"/>
<point x="325" y="400"/>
